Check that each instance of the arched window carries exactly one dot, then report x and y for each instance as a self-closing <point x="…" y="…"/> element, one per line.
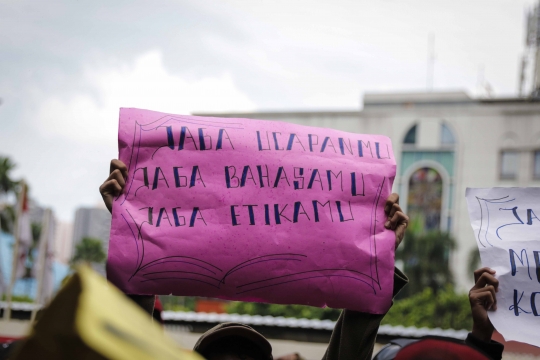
<point x="410" y="137"/>
<point x="424" y="200"/>
<point x="447" y="137"/>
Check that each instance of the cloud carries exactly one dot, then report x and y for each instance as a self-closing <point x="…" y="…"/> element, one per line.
<point x="92" y="117"/>
<point x="67" y="139"/>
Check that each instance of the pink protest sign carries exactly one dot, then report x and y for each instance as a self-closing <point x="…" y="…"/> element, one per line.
<point x="253" y="210"/>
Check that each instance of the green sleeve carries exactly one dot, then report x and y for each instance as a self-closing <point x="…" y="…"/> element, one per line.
<point x="355" y="332"/>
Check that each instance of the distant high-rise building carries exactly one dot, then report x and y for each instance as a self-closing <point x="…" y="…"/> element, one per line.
<point x="36" y="214"/>
<point x="94" y="223"/>
<point x="63" y="241"/>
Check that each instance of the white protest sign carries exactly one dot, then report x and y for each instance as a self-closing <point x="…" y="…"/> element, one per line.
<point x="506" y="224"/>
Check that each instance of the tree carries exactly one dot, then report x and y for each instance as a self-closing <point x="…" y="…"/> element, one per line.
<point x="7" y="218"/>
<point x="89" y="250"/>
<point x="444" y="309"/>
<point x="425" y="259"/>
<point x="8" y="186"/>
<point x="30" y="263"/>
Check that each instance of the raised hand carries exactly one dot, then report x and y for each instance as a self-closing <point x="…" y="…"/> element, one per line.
<point x="483" y="299"/>
<point x="114" y="185"/>
<point x="397" y="220"/>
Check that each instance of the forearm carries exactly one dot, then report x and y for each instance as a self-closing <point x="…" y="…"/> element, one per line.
<point x="355" y="332"/>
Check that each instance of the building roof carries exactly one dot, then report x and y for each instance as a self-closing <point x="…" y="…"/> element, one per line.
<point x="416" y="97"/>
<point x="284" y="113"/>
<point x="371" y="100"/>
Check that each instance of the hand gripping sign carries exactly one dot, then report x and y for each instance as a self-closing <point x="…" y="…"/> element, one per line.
<point x="506" y="224"/>
<point x="253" y="210"/>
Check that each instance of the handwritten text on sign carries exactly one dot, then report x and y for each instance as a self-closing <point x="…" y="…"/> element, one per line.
<point x="253" y="210"/>
<point x="506" y="224"/>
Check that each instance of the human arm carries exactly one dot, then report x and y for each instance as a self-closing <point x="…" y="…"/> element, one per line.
<point x="112" y="187"/>
<point x="355" y="332"/>
<point x="482" y="298"/>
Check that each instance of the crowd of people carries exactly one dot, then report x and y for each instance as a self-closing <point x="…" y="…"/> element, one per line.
<point x="355" y="332"/>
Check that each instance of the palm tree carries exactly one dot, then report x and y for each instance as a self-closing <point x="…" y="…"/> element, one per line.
<point x="7" y="218"/>
<point x="426" y="262"/>
<point x="8" y="186"/>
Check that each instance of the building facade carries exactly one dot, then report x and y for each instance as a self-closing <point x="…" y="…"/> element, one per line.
<point x="93" y="223"/>
<point x="443" y="143"/>
<point x="63" y="240"/>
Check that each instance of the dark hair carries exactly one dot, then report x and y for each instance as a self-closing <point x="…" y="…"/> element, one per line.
<point x="236" y="345"/>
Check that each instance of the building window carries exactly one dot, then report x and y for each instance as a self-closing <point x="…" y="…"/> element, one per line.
<point x="424" y="201"/>
<point x="410" y="138"/>
<point x="447" y="137"/>
<point x="536" y="169"/>
<point x="509" y="164"/>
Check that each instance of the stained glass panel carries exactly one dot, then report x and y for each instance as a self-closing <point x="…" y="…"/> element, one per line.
<point x="424" y="201"/>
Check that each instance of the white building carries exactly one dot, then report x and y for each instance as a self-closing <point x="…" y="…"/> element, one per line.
<point x="94" y="223"/>
<point x="63" y="241"/>
<point x="443" y="142"/>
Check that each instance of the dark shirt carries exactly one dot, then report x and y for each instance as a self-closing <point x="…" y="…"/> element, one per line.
<point x="355" y="332"/>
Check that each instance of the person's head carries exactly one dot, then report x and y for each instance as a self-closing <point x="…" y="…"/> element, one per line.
<point x="233" y="341"/>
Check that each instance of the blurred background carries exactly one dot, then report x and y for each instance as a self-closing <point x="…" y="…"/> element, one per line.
<point x="454" y="84"/>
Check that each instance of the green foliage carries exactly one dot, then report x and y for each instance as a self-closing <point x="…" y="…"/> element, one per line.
<point x="8" y="186"/>
<point x="295" y="311"/>
<point x="89" y="250"/>
<point x="425" y="259"/>
<point x="19" y="298"/>
<point x="177" y="303"/>
<point x="36" y="232"/>
<point x="444" y="309"/>
<point x="7" y="218"/>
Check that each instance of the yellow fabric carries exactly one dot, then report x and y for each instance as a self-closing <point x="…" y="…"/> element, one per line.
<point x="91" y="319"/>
<point x="116" y="328"/>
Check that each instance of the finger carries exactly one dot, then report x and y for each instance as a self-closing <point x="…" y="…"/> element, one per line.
<point x="395" y="208"/>
<point x="486" y="279"/>
<point x="118" y="176"/>
<point x="479" y="272"/>
<point x="110" y="187"/>
<point x="398" y="218"/>
<point x="485" y="298"/>
<point x="117" y="164"/>
<point x="489" y="288"/>
<point x="391" y="200"/>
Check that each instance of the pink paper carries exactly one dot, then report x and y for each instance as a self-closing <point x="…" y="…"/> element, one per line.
<point x="253" y="210"/>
